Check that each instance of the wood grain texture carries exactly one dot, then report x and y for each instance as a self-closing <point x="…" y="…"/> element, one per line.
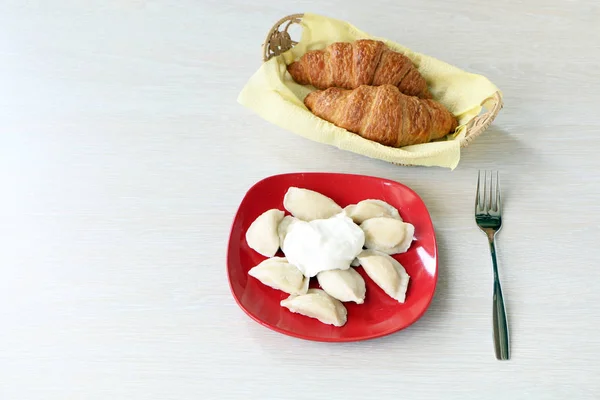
<point x="124" y="156"/>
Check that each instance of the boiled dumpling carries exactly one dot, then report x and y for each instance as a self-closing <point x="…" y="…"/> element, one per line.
<point x="344" y="285"/>
<point x="262" y="234"/>
<point x="317" y="304"/>
<point x="371" y="208"/>
<point x="284" y="227"/>
<point x="386" y="272"/>
<point x="388" y="235"/>
<point x="277" y="273"/>
<point x="308" y="205"/>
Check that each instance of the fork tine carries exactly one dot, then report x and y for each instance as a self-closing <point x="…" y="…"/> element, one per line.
<point x="477" y="193"/>
<point x="492" y="197"/>
<point x="498" y="203"/>
<point x="484" y="204"/>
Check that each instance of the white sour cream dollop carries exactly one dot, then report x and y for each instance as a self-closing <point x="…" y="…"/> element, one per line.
<point x="323" y="244"/>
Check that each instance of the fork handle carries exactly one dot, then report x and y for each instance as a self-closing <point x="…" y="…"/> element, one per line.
<point x="501" y="338"/>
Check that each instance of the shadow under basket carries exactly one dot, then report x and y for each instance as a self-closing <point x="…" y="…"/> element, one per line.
<point x="279" y="41"/>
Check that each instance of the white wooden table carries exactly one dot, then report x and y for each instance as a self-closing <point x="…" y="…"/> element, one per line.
<point x="124" y="155"/>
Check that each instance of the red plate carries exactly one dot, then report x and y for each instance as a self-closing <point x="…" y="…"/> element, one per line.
<point x="380" y="315"/>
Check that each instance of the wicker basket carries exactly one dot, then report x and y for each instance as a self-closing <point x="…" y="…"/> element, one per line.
<point x="279" y="41"/>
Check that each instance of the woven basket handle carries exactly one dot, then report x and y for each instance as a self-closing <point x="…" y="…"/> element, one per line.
<point x="477" y="125"/>
<point x="278" y="39"/>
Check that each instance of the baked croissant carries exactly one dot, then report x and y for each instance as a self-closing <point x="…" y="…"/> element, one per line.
<point x="363" y="62"/>
<point x="383" y="114"/>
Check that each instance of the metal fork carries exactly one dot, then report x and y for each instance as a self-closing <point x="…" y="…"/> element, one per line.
<point x="488" y="215"/>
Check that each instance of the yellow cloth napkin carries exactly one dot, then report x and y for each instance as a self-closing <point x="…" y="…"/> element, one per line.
<point x="273" y="95"/>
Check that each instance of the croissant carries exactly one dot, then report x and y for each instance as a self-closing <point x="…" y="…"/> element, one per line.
<point x="383" y="114"/>
<point x="363" y="62"/>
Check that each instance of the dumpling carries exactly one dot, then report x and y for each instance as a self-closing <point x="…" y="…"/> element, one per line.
<point x="279" y="274"/>
<point x="344" y="285"/>
<point x="386" y="272"/>
<point x="307" y="205"/>
<point x="388" y="235"/>
<point x="284" y="227"/>
<point x="317" y="304"/>
<point x="371" y="208"/>
<point x="262" y="234"/>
